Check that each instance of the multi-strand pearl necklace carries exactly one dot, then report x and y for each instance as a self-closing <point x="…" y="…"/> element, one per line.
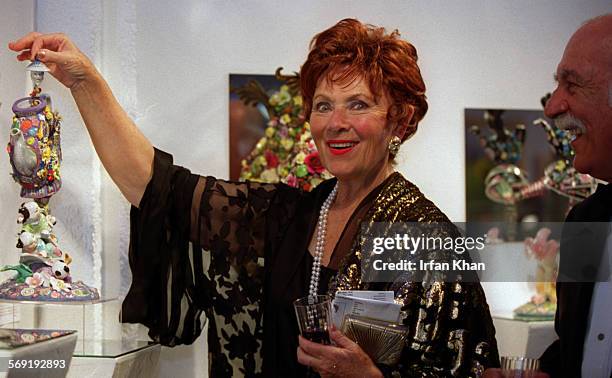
<point x="320" y="246"/>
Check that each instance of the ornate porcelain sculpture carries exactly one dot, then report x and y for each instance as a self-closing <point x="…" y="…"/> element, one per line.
<point x="43" y="272"/>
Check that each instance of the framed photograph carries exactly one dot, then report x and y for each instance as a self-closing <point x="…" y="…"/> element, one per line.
<point x="247" y="122"/>
<point x="534" y="156"/>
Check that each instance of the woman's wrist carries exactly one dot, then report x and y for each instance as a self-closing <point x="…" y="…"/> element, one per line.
<point x="90" y="81"/>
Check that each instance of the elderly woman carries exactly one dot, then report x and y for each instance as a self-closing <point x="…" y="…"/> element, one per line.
<point x="254" y="247"/>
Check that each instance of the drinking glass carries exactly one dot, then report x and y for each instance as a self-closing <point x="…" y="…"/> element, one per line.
<point x="519" y="367"/>
<point x="314" y="317"/>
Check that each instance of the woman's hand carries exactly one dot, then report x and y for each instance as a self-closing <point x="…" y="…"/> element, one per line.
<point x="346" y="359"/>
<point x="65" y="61"/>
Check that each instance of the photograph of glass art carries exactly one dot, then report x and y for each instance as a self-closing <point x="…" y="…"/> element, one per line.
<point x="519" y="172"/>
<point x="270" y="139"/>
<point x="43" y="272"/>
<point x="248" y="118"/>
<point x="519" y="167"/>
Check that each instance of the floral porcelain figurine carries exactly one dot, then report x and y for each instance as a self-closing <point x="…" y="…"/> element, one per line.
<point x="543" y="304"/>
<point x="43" y="272"/>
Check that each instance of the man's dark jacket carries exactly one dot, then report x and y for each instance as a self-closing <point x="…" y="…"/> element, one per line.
<point x="582" y="245"/>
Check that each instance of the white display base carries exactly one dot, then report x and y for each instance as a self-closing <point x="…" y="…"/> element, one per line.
<point x="60" y="348"/>
<point x="115" y="359"/>
<point x="518" y="338"/>
<point x="100" y="349"/>
<point x="515" y="338"/>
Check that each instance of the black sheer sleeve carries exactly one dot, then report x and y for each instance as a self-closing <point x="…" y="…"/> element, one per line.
<point x="171" y="281"/>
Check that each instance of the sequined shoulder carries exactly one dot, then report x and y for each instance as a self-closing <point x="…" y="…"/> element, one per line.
<point x="402" y="201"/>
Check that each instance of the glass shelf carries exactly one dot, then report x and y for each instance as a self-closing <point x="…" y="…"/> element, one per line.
<point x="109" y="348"/>
<point x="96" y="322"/>
<point x="95" y="319"/>
<point x="65" y="303"/>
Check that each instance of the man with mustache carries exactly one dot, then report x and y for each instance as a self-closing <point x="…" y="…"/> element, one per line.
<point x="582" y="105"/>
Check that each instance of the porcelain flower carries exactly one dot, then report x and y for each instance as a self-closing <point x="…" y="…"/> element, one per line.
<point x="59" y="285"/>
<point x="299" y="158"/>
<point x="285" y="119"/>
<point x="269" y="175"/>
<point x="291" y="180"/>
<point x="271" y="159"/>
<point x="35" y="280"/>
<point x="313" y="162"/>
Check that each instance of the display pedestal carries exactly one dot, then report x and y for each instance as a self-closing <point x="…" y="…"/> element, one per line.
<point x="519" y="338"/>
<point x="115" y="358"/>
<point x="53" y="354"/>
<point x="100" y="350"/>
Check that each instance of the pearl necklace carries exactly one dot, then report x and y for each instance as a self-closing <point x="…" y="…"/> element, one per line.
<point x="320" y="246"/>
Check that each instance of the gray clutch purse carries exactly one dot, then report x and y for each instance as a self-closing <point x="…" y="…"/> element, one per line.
<point x="382" y="341"/>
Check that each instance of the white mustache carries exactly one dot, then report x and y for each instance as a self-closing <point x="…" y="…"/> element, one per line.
<point x="567" y="121"/>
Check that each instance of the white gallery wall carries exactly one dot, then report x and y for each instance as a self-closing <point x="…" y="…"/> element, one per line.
<point x="168" y="63"/>
<point x="16" y="18"/>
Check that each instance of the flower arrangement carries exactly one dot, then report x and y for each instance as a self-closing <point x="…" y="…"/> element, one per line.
<point x="287" y="152"/>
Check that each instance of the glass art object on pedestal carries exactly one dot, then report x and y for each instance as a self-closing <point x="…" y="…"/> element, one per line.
<point x="43" y="272"/>
<point x="543" y="304"/>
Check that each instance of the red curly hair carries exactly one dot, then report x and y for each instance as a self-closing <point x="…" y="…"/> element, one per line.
<point x="350" y="50"/>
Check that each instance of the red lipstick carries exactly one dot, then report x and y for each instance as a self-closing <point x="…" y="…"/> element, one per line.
<point x="341" y="147"/>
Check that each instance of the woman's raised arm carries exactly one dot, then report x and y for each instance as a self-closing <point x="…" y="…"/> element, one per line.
<point x="124" y="151"/>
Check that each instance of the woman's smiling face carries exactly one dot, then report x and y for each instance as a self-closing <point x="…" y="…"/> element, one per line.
<point x="350" y="128"/>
